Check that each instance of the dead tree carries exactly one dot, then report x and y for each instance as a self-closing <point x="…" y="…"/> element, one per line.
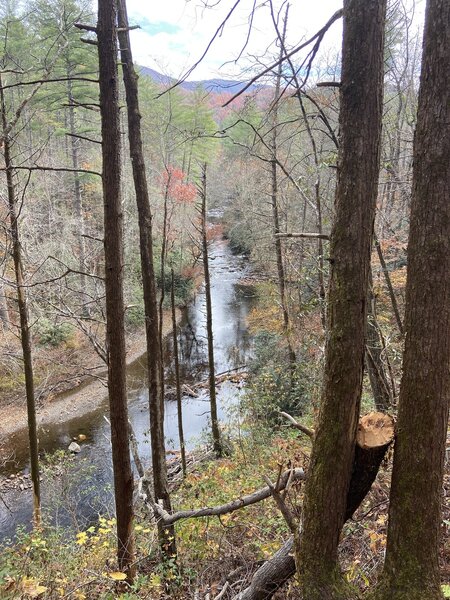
<point x="274" y="197"/>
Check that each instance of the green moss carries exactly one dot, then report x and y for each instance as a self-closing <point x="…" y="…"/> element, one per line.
<point x="413" y="590"/>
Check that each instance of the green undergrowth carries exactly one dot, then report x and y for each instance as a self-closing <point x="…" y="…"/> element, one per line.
<point x="50" y="563"/>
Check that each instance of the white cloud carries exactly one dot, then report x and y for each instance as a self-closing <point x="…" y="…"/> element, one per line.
<point x="175" y="52"/>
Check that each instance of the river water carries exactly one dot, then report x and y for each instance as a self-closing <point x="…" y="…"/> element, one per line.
<point x="82" y="490"/>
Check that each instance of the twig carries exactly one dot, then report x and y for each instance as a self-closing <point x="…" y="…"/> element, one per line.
<point x="313" y="236"/>
<point x="222" y="592"/>
<point x="232" y="506"/>
<point x="319" y="35"/>
<point x="282" y="506"/>
<point x="309" y="432"/>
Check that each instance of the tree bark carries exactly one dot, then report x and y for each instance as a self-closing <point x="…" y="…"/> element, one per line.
<point x="115" y="332"/>
<point x="274" y="573"/>
<point x="411" y="568"/>
<point x="25" y="335"/>
<point x="379" y="382"/>
<point x="217" y="441"/>
<point x="274" y="203"/>
<point x="154" y="359"/>
<point x="177" y="379"/>
<point x="359" y="151"/>
<point x="77" y="199"/>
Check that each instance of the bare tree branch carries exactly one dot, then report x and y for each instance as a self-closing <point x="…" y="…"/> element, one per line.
<point x="309" y="432"/>
<point x="311" y="236"/>
<point x="262" y="494"/>
<point x="317" y="36"/>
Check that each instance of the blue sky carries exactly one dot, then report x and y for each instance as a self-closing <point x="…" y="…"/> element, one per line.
<point x="154" y="28"/>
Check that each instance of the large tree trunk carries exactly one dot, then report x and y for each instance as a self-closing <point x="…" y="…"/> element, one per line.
<point x="375" y="435"/>
<point x="25" y="335"/>
<point x="114" y="266"/>
<point x="154" y="359"/>
<point x="359" y="150"/>
<point x="411" y="569"/>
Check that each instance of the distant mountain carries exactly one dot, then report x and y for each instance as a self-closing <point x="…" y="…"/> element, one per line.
<point x="217" y="86"/>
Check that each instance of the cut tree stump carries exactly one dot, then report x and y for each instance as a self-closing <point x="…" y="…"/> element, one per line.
<point x="376" y="432"/>
<point x="374" y="436"/>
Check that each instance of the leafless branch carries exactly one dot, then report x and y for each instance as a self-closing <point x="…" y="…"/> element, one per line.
<point x="57" y="169"/>
<point x="258" y="496"/>
<point x="309" y="432"/>
<point x="317" y="36"/>
<point x="282" y="506"/>
<point x="83" y="137"/>
<point x="49" y="80"/>
<point x="210" y="43"/>
<point x="311" y="236"/>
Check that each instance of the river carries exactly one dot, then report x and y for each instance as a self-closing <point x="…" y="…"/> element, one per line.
<point x="82" y="490"/>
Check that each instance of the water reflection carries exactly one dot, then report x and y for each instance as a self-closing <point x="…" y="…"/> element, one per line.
<point x="89" y="490"/>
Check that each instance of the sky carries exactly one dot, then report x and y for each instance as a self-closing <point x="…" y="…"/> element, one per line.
<point x="174" y="34"/>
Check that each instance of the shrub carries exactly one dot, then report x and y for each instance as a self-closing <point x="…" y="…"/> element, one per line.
<point x="239" y="240"/>
<point x="182" y="286"/>
<point x="53" y="334"/>
<point x="275" y="385"/>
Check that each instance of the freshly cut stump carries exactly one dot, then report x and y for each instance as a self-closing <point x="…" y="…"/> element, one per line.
<point x="375" y="434"/>
<point x="375" y="430"/>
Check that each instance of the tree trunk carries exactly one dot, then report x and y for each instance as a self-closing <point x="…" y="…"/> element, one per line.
<point x="217" y="442"/>
<point x="318" y="201"/>
<point x="25" y="335"/>
<point x="379" y="382"/>
<point x="375" y="435"/>
<point x="4" y="314"/>
<point x="387" y="278"/>
<point x="115" y="332"/>
<point x="411" y="568"/>
<point x="77" y="200"/>
<point x="274" y="203"/>
<point x="154" y="360"/>
<point x="359" y="151"/>
<point x="177" y="379"/>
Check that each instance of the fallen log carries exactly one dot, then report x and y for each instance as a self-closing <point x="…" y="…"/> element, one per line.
<point x="375" y="435"/>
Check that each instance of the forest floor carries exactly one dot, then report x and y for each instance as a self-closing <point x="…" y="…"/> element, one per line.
<point x="213" y="553"/>
<point x="70" y="378"/>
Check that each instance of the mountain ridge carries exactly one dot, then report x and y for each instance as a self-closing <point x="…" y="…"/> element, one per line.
<point x="215" y="85"/>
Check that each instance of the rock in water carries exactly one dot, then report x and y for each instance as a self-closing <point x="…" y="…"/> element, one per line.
<point x="74" y="447"/>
